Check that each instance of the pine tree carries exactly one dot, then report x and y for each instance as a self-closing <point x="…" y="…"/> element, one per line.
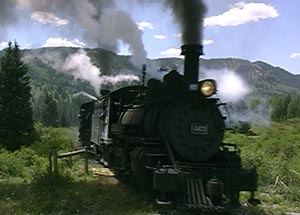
<point x="63" y="120"/>
<point x="50" y="112"/>
<point x="293" y="110"/>
<point x="16" y="124"/>
<point x="279" y="107"/>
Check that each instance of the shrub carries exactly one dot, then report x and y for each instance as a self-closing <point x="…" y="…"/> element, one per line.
<point x="60" y="139"/>
<point x="32" y="161"/>
<point x="24" y="163"/>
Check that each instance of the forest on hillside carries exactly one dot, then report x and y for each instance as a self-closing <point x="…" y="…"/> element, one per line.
<point x="60" y="77"/>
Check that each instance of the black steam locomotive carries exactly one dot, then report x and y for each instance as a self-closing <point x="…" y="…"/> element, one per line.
<point x="169" y="136"/>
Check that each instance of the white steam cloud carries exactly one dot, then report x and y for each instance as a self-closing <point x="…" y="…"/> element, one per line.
<point x="82" y="68"/>
<point x="235" y="92"/>
<point x="231" y="87"/>
<point x="119" y="78"/>
<point x="85" y="94"/>
<point x="258" y="115"/>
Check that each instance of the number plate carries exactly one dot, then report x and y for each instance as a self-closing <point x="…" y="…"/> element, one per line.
<point x="199" y="129"/>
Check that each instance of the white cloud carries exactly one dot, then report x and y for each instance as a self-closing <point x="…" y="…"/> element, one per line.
<point x="27" y="45"/>
<point x="295" y="56"/>
<point x="208" y="42"/>
<point x="159" y="36"/>
<point x="178" y="35"/>
<point x="171" y="52"/>
<point x="242" y="13"/>
<point x="3" y="45"/>
<point x="143" y="25"/>
<point x="57" y="41"/>
<point x="48" y="18"/>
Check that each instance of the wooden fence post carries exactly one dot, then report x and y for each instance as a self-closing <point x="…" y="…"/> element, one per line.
<point x="50" y="163"/>
<point x="53" y="160"/>
<point x="86" y="161"/>
<point x="55" y="164"/>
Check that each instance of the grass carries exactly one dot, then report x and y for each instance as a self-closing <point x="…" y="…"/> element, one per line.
<point x="92" y="195"/>
<point x="275" y="151"/>
<point x="25" y="187"/>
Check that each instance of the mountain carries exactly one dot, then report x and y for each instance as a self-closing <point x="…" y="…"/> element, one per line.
<point x="264" y="79"/>
<point x="60" y="72"/>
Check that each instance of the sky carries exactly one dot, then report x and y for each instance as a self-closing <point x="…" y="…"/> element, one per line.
<point x="266" y="30"/>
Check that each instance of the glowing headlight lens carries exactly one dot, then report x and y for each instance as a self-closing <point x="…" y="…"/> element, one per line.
<point x="208" y="87"/>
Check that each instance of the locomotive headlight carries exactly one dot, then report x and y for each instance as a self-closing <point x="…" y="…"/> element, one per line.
<point x="208" y="87"/>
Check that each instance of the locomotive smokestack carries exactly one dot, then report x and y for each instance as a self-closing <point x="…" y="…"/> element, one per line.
<point x="192" y="53"/>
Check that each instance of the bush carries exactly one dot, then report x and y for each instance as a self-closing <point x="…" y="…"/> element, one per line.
<point x="60" y="139"/>
<point x="24" y="163"/>
<point x="32" y="161"/>
<point x="275" y="152"/>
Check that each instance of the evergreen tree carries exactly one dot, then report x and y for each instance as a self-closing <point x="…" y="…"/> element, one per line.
<point x="16" y="124"/>
<point x="279" y="107"/>
<point x="50" y="112"/>
<point x="293" y="110"/>
<point x="63" y="120"/>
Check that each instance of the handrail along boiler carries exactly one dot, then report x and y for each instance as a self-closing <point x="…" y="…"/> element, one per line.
<point x="169" y="136"/>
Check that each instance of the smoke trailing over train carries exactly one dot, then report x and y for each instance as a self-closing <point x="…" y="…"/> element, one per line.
<point x="79" y="64"/>
<point x="103" y="23"/>
<point x="97" y="18"/>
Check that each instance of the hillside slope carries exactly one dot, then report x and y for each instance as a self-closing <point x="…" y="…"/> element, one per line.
<point x="63" y="72"/>
<point x="264" y="78"/>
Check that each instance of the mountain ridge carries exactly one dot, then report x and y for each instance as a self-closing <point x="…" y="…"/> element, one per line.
<point x="263" y="77"/>
<point x="49" y="76"/>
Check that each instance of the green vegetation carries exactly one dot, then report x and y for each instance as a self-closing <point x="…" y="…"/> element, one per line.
<point x="16" y="124"/>
<point x="25" y="187"/>
<point x="53" y="92"/>
<point x="275" y="151"/>
<point x="48" y="79"/>
<point x="285" y="107"/>
<point x="50" y="115"/>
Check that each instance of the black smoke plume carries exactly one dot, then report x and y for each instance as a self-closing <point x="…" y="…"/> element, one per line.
<point x="189" y="14"/>
<point x="91" y="14"/>
<point x="103" y="23"/>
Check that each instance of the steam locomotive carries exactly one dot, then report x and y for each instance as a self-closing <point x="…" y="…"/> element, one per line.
<point x="169" y="136"/>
